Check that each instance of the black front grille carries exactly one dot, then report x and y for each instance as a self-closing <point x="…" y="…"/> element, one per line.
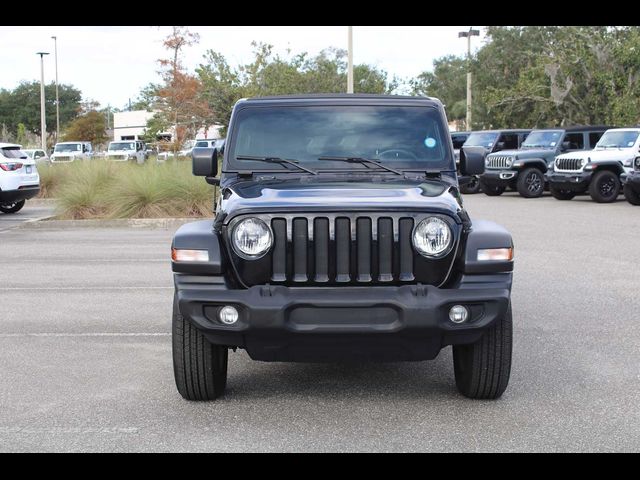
<point x="569" y="164"/>
<point x="336" y="249"/>
<point x="331" y="249"/>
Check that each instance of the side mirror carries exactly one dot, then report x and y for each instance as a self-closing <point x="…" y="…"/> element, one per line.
<point x="472" y="160"/>
<point x="565" y="146"/>
<point x="499" y="146"/>
<point x="204" y="162"/>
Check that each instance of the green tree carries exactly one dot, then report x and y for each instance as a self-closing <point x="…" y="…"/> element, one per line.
<point x="22" y="105"/>
<point x="272" y="74"/>
<point x="89" y="127"/>
<point x="447" y="82"/>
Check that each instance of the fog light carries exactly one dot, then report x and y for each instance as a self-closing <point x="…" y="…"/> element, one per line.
<point x="228" y="315"/>
<point x="458" y="314"/>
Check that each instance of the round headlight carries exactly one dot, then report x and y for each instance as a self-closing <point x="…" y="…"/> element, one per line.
<point x="251" y="238"/>
<point x="432" y="237"/>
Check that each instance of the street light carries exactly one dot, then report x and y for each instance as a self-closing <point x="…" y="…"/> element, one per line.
<point x="55" y="41"/>
<point x="350" y="60"/>
<point x="43" y="122"/>
<point x="468" y="35"/>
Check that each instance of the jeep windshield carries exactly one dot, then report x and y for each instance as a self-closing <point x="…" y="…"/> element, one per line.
<point x="482" y="139"/>
<point x="122" y="146"/>
<point x="618" y="139"/>
<point x="68" y="147"/>
<point x="320" y="137"/>
<point x="542" y="139"/>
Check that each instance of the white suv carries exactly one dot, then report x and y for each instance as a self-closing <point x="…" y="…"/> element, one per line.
<point x="126" y="150"/>
<point x="596" y="171"/>
<point x="19" y="179"/>
<point x="65" y="152"/>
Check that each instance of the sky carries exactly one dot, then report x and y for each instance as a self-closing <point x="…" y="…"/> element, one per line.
<point x="112" y="64"/>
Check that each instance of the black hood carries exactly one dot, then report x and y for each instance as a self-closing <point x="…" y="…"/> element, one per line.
<point x="334" y="194"/>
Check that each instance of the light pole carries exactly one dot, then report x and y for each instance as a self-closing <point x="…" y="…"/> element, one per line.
<point x="468" y="35"/>
<point x="43" y="122"/>
<point x="350" y="61"/>
<point x="55" y="42"/>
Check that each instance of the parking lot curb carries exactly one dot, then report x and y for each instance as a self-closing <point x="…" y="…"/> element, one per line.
<point x="166" y="223"/>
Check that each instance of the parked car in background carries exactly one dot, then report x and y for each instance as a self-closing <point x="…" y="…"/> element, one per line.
<point x="65" y="152"/>
<point x="491" y="141"/>
<point x="19" y="179"/>
<point x="524" y="169"/>
<point x="127" y="151"/>
<point x="596" y="171"/>
<point x="631" y="183"/>
<point x="37" y="154"/>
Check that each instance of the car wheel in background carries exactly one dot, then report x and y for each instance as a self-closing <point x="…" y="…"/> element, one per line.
<point x="604" y="187"/>
<point x="632" y="197"/>
<point x="12" y="207"/>
<point x="531" y="183"/>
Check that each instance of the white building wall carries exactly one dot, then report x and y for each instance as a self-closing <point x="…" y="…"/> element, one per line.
<point x="130" y="124"/>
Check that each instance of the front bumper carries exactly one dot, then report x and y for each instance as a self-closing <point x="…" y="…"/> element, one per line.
<point x="631" y="180"/>
<point x="499" y="178"/>
<point x="280" y="323"/>
<point x="574" y="182"/>
<point x="22" y="193"/>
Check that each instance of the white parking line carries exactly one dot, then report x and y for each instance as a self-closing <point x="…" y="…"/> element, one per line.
<point x="99" y="334"/>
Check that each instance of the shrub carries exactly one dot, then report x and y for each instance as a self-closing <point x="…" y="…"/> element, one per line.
<point x="102" y="189"/>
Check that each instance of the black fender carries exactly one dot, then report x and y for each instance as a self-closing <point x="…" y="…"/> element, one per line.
<point x="485" y="234"/>
<point x="198" y="236"/>
<point x="522" y="163"/>
<point x="612" y="165"/>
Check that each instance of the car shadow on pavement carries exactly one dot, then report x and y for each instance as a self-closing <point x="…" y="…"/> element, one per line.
<point x="262" y="380"/>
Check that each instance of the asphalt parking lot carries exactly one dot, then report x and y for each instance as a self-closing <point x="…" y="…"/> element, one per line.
<point x="85" y="354"/>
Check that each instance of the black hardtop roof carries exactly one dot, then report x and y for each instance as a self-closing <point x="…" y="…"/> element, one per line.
<point x="578" y="128"/>
<point x="507" y="130"/>
<point x="344" y="98"/>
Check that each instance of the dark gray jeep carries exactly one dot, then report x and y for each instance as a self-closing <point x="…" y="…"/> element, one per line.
<point x="340" y="234"/>
<point x="525" y="169"/>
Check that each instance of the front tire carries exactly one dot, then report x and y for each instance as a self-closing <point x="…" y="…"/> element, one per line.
<point x="199" y="367"/>
<point x="531" y="183"/>
<point x="482" y="369"/>
<point x="632" y="197"/>
<point x="14" y="207"/>
<point x="604" y="187"/>
<point x="560" y="194"/>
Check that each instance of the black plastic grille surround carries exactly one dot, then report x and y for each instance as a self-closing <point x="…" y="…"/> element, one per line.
<point x="367" y="248"/>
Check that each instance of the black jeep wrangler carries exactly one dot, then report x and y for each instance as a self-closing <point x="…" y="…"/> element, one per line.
<point x="340" y="234"/>
<point x="525" y="169"/>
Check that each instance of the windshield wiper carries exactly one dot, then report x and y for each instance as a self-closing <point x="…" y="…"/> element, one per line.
<point x="363" y="161"/>
<point x="276" y="160"/>
<point x="610" y="146"/>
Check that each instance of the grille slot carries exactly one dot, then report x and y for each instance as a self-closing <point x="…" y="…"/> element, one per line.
<point x="569" y="164"/>
<point x="498" y="161"/>
<point x="334" y="249"/>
